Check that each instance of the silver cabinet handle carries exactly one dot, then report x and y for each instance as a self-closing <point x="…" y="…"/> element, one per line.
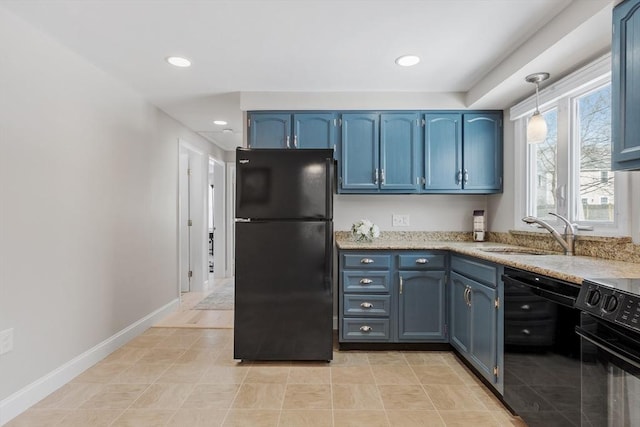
<point x="366" y="305"/>
<point x="422" y="261"/>
<point x="295" y="141"/>
<point x="459" y="176"/>
<point x="467" y="296"/>
<point x="466" y="176"/>
<point x="375" y="177"/>
<point x="288" y="144"/>
<point x="365" y="328"/>
<point x="366" y="261"/>
<point x="401" y="284"/>
<point x="382" y="175"/>
<point x="526" y="332"/>
<point x="526" y="307"/>
<point x="366" y="281"/>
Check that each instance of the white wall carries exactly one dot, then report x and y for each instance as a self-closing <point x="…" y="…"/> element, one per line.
<point x="88" y="204"/>
<point x="501" y="206"/>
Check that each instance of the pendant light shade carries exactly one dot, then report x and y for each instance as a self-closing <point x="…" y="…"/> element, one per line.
<point x="537" y="126"/>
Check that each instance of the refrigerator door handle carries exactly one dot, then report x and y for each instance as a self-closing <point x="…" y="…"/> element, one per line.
<point x="243" y="220"/>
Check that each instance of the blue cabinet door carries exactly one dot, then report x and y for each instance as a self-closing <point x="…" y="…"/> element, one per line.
<point x="625" y="86"/>
<point x="483" y="329"/>
<point x="314" y="130"/>
<point x="268" y="130"/>
<point x="360" y="157"/>
<point x="460" y="331"/>
<point x="421" y="302"/>
<point x="482" y="151"/>
<point x="399" y="138"/>
<point x="443" y="151"/>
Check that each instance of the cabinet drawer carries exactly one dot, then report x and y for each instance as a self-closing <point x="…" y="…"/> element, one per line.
<point x="421" y="261"/>
<point x="475" y="270"/>
<point x="365" y="329"/>
<point x="367" y="305"/>
<point x="530" y="333"/>
<point x="528" y="307"/>
<point x="366" y="281"/>
<point x="368" y="261"/>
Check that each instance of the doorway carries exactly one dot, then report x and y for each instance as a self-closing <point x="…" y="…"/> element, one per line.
<point x="216" y="235"/>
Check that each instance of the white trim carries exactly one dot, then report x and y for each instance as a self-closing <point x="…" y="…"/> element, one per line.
<point x="598" y="70"/>
<point x="21" y="400"/>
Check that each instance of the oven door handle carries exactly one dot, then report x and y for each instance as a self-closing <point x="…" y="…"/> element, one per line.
<point x="545" y="293"/>
<point x="609" y="347"/>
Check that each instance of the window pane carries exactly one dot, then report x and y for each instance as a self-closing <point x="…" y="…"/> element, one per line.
<point x="545" y="164"/>
<point x="595" y="176"/>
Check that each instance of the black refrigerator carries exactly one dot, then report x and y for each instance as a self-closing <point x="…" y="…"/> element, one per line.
<point x="283" y="255"/>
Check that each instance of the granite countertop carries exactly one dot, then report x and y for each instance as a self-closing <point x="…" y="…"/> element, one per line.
<point x="569" y="268"/>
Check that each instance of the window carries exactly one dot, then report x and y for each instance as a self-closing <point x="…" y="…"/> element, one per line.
<point x="570" y="172"/>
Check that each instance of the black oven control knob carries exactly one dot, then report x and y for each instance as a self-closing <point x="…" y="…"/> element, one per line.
<point x="593" y="297"/>
<point x="610" y="304"/>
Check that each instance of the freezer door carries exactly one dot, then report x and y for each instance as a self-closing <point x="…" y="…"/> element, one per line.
<point x="284" y="184"/>
<point x="283" y="284"/>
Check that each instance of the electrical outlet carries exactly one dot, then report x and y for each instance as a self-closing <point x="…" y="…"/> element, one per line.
<point x="6" y="341"/>
<point x="400" y="220"/>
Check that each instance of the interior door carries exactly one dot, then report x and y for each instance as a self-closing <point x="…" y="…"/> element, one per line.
<point x="185" y="230"/>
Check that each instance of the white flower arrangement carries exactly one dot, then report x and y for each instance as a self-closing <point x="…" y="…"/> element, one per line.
<point x="364" y="231"/>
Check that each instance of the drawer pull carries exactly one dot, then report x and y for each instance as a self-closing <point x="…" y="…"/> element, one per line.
<point x="366" y="281"/>
<point x="422" y="261"/>
<point x="366" y="328"/>
<point x="526" y="307"/>
<point x="526" y="332"/>
<point x="366" y="305"/>
<point x="366" y="261"/>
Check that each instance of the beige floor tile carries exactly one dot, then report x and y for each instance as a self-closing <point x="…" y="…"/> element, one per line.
<point x="505" y="419"/>
<point x="306" y="418"/>
<point x="405" y="397"/>
<point x="141" y="373"/>
<point x="90" y="417"/>
<point x="163" y="396"/>
<point x="488" y="399"/>
<point x="352" y="375"/>
<point x="115" y="396"/>
<point x="424" y="358"/>
<point x="224" y="375"/>
<point x="39" y="418"/>
<point x="453" y="397"/>
<point x="143" y="418"/>
<point x="386" y="358"/>
<point x="307" y="396"/>
<point x="356" y="396"/>
<point x="309" y="375"/>
<point x="252" y="418"/>
<point x="404" y="418"/>
<point x="126" y="355"/>
<point x="359" y="418"/>
<point x="183" y="373"/>
<point x="259" y="396"/>
<point x="199" y="356"/>
<point x="349" y="358"/>
<point x="102" y="373"/>
<point x="182" y="341"/>
<point x="213" y="341"/>
<point x="266" y="374"/>
<point x="162" y="355"/>
<point x="392" y="374"/>
<point x="69" y="396"/>
<point x="468" y="418"/>
<point x="436" y="375"/>
<point x="211" y="396"/>
<point x="146" y="341"/>
<point x="198" y="418"/>
<point x="159" y="331"/>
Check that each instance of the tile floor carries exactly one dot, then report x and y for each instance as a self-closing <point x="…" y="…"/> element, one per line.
<point x="188" y="378"/>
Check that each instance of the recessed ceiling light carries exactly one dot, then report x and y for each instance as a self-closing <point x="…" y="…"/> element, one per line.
<point x="178" y="61"/>
<point x="219" y="122"/>
<point x="227" y="130"/>
<point x="407" y="60"/>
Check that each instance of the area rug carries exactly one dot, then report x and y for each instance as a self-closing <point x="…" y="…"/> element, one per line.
<point x="220" y="299"/>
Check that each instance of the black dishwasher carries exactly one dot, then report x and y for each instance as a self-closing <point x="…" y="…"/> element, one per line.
<point x="541" y="349"/>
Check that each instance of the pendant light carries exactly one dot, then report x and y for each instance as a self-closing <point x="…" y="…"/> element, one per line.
<point x="537" y="126"/>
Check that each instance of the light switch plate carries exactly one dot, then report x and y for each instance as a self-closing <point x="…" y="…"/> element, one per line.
<point x="400" y="220"/>
<point x="6" y="341"/>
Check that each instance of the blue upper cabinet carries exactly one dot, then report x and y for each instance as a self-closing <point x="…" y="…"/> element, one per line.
<point x="299" y="130"/>
<point x="443" y="151"/>
<point x="359" y="168"/>
<point x="482" y="152"/>
<point x="399" y="142"/>
<point x="315" y="130"/>
<point x="625" y="85"/>
<point x="267" y="130"/>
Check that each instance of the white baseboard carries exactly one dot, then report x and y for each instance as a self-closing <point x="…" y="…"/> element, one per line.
<point x="21" y="400"/>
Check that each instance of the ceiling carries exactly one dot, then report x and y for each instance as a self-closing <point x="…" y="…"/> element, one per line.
<point x="480" y="49"/>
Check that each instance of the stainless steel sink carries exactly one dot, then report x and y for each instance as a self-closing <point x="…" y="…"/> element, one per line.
<point x="516" y="251"/>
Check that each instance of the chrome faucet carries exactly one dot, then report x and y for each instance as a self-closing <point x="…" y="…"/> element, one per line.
<point x="567" y="241"/>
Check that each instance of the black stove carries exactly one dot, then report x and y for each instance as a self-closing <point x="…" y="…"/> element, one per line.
<point x="612" y="299"/>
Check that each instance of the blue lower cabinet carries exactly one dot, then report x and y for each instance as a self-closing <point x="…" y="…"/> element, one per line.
<point x="459" y="322"/>
<point x="483" y="329"/>
<point x="421" y="305"/>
